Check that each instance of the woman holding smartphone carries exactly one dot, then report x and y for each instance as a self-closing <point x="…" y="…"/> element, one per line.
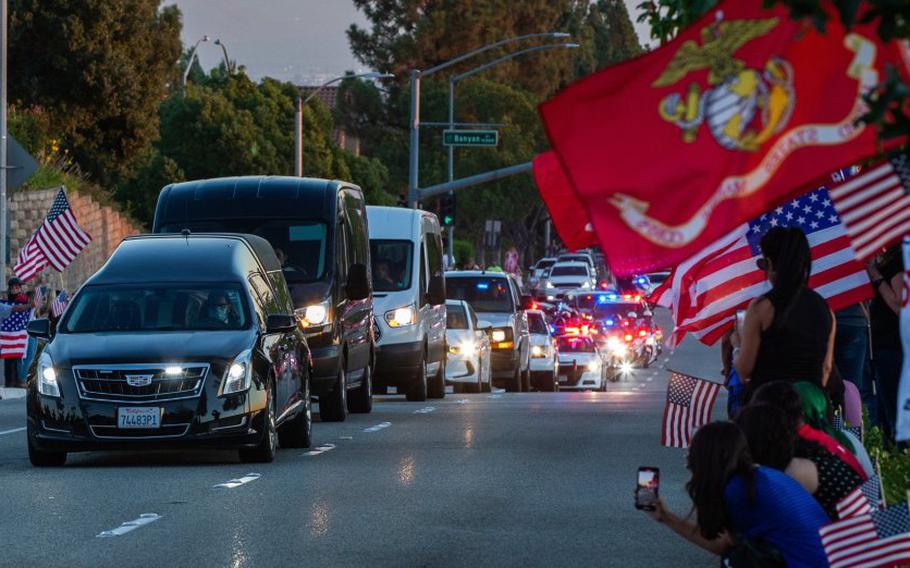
<point x="735" y="499"/>
<point x="787" y="333"/>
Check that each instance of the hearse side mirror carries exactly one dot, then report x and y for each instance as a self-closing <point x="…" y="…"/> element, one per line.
<point x="39" y="328"/>
<point x="436" y="290"/>
<point x="279" y="323"/>
<point x="358" y="286"/>
<point x="484" y="325"/>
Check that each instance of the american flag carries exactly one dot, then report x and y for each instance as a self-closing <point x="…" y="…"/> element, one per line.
<point x="875" y="205"/>
<point x="690" y="402"/>
<point x="871" y="540"/>
<point x="13" y="337"/>
<point x="57" y="240"/>
<point x="59" y="304"/>
<point x="705" y="291"/>
<point x="866" y="497"/>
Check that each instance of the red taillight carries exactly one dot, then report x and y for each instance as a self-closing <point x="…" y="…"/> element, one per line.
<point x="642" y="333"/>
<point x="604" y="285"/>
<point x="637" y="298"/>
<point x="585" y="330"/>
<point x="571" y="331"/>
<point x="628" y="337"/>
<point x="535" y="306"/>
<point x="627" y="296"/>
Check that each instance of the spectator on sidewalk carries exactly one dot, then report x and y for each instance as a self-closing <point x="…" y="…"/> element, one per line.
<point x="886" y="273"/>
<point x="788" y="333"/>
<point x="773" y="444"/>
<point x="851" y="353"/>
<point x="18" y="303"/>
<point x="736" y="500"/>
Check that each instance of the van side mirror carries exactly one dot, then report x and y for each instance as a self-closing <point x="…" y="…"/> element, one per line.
<point x="436" y="291"/>
<point x="358" y="285"/>
<point x="280" y="323"/>
<point x="39" y="328"/>
<point x="484" y="325"/>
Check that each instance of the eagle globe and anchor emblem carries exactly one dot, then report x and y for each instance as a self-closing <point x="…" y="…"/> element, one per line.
<point x="743" y="107"/>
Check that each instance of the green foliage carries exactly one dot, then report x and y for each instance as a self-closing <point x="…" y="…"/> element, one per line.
<point x="139" y="194"/>
<point x="894" y="464"/>
<point x="100" y="69"/>
<point x="464" y="251"/>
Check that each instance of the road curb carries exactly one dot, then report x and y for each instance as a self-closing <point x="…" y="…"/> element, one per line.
<point x="11" y="393"/>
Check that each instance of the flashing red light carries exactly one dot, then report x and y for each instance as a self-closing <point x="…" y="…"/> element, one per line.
<point x="604" y="285"/>
<point x="637" y="298"/>
<point x="626" y="323"/>
<point x="628" y="337"/>
<point x="572" y="331"/>
<point x="627" y="296"/>
<point x="585" y="329"/>
<point x="589" y="297"/>
<point x="535" y="306"/>
<point x="642" y="333"/>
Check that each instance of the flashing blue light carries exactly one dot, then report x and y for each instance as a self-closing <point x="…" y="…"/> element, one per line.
<point x="483" y="286"/>
<point x="641" y="280"/>
<point x="612" y="296"/>
<point x="610" y="322"/>
<point x="601" y="299"/>
<point x="552" y="328"/>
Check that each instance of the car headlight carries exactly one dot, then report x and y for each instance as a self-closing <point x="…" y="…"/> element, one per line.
<point x="314" y="315"/>
<point x="400" y="317"/>
<point x="239" y="374"/>
<point x="498" y="335"/>
<point x="47" y="376"/>
<point x="594" y="365"/>
<point x="466" y="348"/>
<point x="538" y="352"/>
<point x="550" y="285"/>
<point x="502" y="338"/>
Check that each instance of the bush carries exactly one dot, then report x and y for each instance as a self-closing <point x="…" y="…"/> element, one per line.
<point x="464" y="251"/>
<point x="894" y="464"/>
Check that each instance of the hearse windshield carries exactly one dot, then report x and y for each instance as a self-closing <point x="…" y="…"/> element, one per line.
<point x="157" y="307"/>
<point x="300" y="245"/>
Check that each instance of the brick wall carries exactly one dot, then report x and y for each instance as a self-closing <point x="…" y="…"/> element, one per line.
<point x="106" y="225"/>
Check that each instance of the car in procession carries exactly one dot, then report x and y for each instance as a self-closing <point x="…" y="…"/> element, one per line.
<point x="319" y="231"/>
<point x="177" y="341"/>
<point x="496" y="298"/>
<point x="468" y="367"/>
<point x="544" y="354"/>
<point x="583" y="365"/>
<point x="566" y="277"/>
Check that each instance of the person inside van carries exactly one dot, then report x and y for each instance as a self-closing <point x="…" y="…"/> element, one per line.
<point x="382" y="278"/>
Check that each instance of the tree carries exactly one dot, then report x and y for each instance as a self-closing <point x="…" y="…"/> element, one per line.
<point x="100" y="68"/>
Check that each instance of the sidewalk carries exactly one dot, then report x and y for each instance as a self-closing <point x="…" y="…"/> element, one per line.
<point x="11" y="393"/>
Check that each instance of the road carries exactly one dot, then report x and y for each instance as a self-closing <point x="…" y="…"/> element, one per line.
<point x="501" y="479"/>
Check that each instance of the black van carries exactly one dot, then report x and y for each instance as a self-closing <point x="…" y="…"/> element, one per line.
<point x="318" y="229"/>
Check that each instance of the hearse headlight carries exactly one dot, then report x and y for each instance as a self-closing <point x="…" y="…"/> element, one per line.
<point x="239" y="374"/>
<point x="47" y="376"/>
<point x="314" y="315"/>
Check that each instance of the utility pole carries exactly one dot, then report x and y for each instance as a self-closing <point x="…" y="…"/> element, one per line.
<point x="451" y="228"/>
<point x="4" y="208"/>
<point x="414" y="161"/>
<point x="298" y="139"/>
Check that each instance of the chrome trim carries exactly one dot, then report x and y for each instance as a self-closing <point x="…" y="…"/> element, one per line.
<point x="135" y="399"/>
<point x="100" y="437"/>
<point x="48" y="428"/>
<point x="240" y="425"/>
<point x="289" y="410"/>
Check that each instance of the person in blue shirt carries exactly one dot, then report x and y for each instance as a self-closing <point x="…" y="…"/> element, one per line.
<point x="735" y="499"/>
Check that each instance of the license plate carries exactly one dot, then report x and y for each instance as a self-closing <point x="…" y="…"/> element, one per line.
<point x="563" y="379"/>
<point x="139" y="417"/>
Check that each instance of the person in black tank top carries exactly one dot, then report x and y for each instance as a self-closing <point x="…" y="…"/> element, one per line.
<point x="788" y="333"/>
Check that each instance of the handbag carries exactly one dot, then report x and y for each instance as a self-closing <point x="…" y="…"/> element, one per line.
<point x="753" y="553"/>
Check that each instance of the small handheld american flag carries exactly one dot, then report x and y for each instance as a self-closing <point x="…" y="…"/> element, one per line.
<point x="871" y="540"/>
<point x="690" y="402"/>
<point x="59" y="304"/>
<point x="13" y="337"/>
<point x="864" y="499"/>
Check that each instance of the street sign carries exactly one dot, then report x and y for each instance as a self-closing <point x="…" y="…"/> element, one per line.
<point x="20" y="164"/>
<point x="470" y="137"/>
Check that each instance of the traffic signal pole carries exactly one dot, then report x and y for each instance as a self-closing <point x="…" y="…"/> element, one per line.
<point x="451" y="227"/>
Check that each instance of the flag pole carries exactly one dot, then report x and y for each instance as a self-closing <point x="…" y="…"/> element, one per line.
<point x="4" y="210"/>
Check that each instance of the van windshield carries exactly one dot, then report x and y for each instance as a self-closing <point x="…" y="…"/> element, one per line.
<point x="300" y="245"/>
<point x="157" y="307"/>
<point x="392" y="264"/>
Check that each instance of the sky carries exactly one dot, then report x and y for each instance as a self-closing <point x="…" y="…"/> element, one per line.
<point x="303" y="41"/>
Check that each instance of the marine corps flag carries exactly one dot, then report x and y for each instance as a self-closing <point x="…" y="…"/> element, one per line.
<point x="671" y="151"/>
<point x="566" y="211"/>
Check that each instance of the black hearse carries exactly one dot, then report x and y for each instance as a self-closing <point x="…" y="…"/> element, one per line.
<point x="319" y="231"/>
<point x="178" y="340"/>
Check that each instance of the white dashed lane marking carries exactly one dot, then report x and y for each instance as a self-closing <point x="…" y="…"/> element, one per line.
<point x="320" y="450"/>
<point x="144" y="519"/>
<point x="494" y="396"/>
<point x="425" y="410"/>
<point x="378" y="427"/>
<point x="13" y="431"/>
<point x="461" y="401"/>
<point x="239" y="481"/>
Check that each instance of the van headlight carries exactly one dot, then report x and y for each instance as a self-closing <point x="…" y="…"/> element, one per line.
<point x="47" y="376"/>
<point x="239" y="374"/>
<point x="314" y="315"/>
<point x="401" y="317"/>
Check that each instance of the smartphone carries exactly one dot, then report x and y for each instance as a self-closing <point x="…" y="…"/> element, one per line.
<point x="740" y="318"/>
<point x="646" y="489"/>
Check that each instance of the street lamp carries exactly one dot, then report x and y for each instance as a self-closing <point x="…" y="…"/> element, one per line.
<point x="227" y="62"/>
<point x="298" y="127"/>
<point x="453" y="79"/>
<point x="189" y="62"/>
<point x="416" y="74"/>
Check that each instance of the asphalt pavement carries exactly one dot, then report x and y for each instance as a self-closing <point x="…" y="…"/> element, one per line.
<point x="502" y="479"/>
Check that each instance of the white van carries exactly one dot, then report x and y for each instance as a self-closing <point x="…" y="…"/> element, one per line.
<point x="408" y="301"/>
